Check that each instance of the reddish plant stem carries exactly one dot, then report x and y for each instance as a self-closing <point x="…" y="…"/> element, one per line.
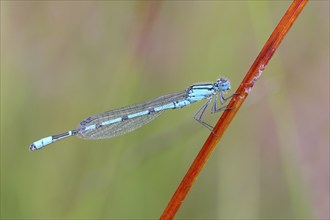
<point x="245" y="87"/>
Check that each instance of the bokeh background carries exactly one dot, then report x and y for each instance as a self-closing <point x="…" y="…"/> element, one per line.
<point x="64" y="61"/>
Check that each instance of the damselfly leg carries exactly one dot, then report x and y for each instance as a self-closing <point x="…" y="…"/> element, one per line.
<point x="214" y="109"/>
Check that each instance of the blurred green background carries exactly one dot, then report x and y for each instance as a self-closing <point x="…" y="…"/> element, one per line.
<point x="64" y="61"/>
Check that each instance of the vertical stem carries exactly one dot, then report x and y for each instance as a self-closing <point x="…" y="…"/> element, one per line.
<point x="245" y="87"/>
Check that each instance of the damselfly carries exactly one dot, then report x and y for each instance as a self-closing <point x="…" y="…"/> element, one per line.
<point x="121" y="121"/>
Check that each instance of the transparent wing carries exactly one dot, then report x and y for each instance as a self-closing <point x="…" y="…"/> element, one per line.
<point x="117" y="129"/>
<point x="128" y="125"/>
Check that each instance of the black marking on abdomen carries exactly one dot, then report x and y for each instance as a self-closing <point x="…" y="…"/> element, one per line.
<point x="57" y="136"/>
<point x="151" y="110"/>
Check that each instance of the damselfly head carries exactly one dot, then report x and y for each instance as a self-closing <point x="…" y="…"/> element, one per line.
<point x="222" y="84"/>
